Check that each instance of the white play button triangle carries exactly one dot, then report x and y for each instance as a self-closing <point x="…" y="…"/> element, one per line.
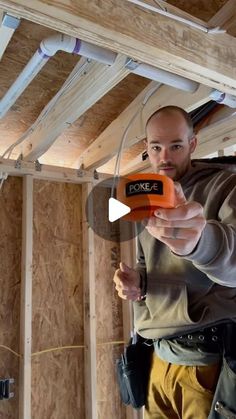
<point x="116" y="209"/>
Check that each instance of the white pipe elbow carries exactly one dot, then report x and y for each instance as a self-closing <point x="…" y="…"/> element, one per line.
<point x="49" y="46"/>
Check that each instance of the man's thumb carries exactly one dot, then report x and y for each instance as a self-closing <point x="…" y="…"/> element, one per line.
<point x="124" y="268"/>
<point x="179" y="195"/>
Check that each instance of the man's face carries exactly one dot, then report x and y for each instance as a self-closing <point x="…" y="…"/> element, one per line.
<point x="169" y="144"/>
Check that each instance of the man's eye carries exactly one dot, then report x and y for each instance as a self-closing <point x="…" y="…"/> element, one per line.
<point x="176" y="147"/>
<point x="156" y="148"/>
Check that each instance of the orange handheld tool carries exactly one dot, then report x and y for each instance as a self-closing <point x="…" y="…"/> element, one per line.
<point x="144" y="193"/>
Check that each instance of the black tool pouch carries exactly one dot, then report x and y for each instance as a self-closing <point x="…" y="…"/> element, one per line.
<point x="224" y="401"/>
<point x="133" y="370"/>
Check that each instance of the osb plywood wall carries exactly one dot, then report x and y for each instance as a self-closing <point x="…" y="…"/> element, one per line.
<point x="57" y="376"/>
<point x="10" y="276"/>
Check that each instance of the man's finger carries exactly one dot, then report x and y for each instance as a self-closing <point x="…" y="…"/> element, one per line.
<point x="181" y="212"/>
<point x="179" y="195"/>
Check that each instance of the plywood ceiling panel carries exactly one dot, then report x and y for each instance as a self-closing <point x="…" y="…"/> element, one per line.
<point x="86" y="129"/>
<point x="203" y="9"/>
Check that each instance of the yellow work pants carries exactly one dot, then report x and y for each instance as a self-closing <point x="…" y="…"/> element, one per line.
<point x="180" y="391"/>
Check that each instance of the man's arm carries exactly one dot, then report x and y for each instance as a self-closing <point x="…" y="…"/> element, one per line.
<point x="215" y="253"/>
<point x="209" y="244"/>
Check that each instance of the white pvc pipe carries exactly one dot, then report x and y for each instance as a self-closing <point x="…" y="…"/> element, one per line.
<point x="23" y="80"/>
<point x="223" y="98"/>
<point x="48" y="48"/>
<point x="166" y="77"/>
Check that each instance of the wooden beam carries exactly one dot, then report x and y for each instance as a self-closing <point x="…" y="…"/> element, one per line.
<point x="217" y="136"/>
<point x="85" y="88"/>
<point x="107" y="144"/>
<point x="52" y="173"/>
<point x="26" y="300"/>
<point x="90" y="355"/>
<point x="135" y="32"/>
<point x="136" y="165"/>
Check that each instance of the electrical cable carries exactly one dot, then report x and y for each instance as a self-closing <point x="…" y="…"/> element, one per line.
<point x="124" y="136"/>
<point x="59" y="348"/>
<point x="161" y="7"/>
<point x="11" y="350"/>
<point x="3" y="176"/>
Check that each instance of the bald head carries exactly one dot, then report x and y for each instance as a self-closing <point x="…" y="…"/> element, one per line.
<point x="171" y="111"/>
<point x="170" y="141"/>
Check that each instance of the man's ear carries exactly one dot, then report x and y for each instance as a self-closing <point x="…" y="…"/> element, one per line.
<point x="145" y="153"/>
<point x="193" y="143"/>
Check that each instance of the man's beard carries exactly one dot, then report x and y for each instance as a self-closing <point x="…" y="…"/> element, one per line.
<point x="179" y="172"/>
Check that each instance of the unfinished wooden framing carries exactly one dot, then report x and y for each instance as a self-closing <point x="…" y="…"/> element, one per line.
<point x="40" y="351"/>
<point x="90" y="354"/>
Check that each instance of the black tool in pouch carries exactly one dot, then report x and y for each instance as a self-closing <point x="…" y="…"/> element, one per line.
<point x="224" y="400"/>
<point x="133" y="370"/>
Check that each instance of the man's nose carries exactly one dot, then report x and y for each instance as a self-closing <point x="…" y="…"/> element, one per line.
<point x="164" y="156"/>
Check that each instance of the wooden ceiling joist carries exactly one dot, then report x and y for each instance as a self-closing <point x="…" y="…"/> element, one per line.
<point x="136" y="165"/>
<point x="107" y="144"/>
<point x="217" y="136"/>
<point x="130" y="30"/>
<point x="83" y="91"/>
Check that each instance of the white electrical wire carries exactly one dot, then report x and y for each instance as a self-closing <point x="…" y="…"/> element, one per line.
<point x="161" y="7"/>
<point x="124" y="136"/>
<point x="3" y="177"/>
<point x="84" y="62"/>
<point x="188" y="22"/>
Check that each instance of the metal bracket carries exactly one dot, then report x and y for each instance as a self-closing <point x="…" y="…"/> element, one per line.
<point x="9" y="21"/>
<point x="95" y="174"/>
<point x="144" y="156"/>
<point x="38" y="166"/>
<point x="18" y="161"/>
<point x="5" y="392"/>
<point x="131" y="64"/>
<point x="80" y="171"/>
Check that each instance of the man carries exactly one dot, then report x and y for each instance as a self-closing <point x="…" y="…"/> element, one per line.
<point x="184" y="286"/>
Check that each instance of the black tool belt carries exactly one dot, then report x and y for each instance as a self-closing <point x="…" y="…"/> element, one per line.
<point x="209" y="339"/>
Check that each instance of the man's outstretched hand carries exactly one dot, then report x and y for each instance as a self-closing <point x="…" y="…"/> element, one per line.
<point x="180" y="228"/>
